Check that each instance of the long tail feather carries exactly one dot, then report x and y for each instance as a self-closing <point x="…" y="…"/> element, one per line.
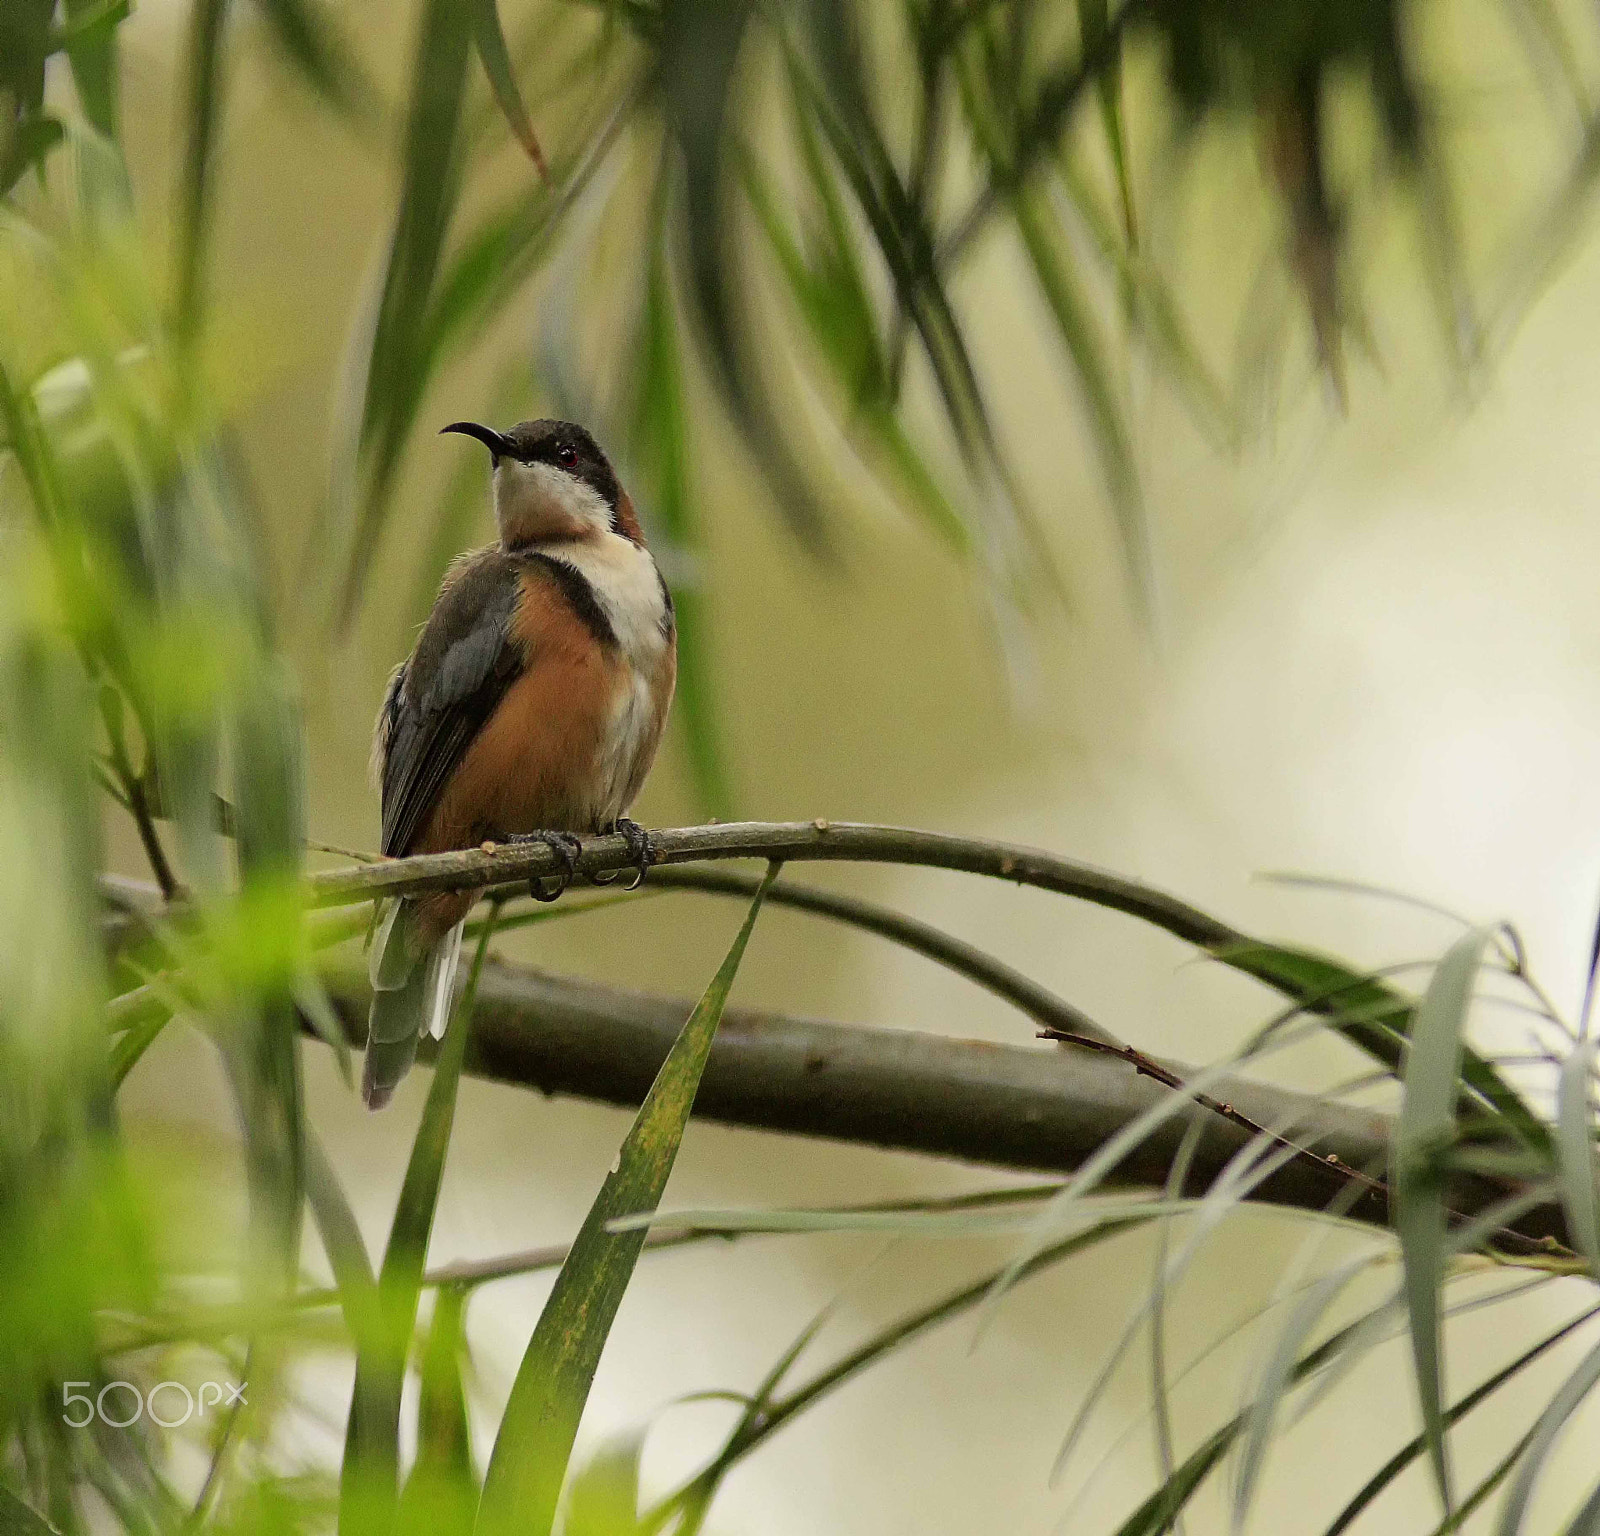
<point x="411" y="996"/>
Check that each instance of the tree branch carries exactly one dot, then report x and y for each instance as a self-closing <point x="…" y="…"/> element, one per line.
<point x="999" y="1106"/>
<point x="518" y="863"/>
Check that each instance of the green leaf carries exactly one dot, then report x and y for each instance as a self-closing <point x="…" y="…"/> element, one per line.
<point x="1575" y="1151"/>
<point x="312" y="40"/>
<point x="831" y="298"/>
<point x="316" y="1007"/>
<point x="372" y="1440"/>
<point x="531" y="1452"/>
<point x="1263" y="1411"/>
<point x="1247" y="1168"/>
<point x="1409" y="1452"/>
<point x="1427" y="1121"/>
<point x="203" y="106"/>
<point x="341" y="1238"/>
<point x="1546" y="1430"/>
<point x="1075" y="325"/>
<point x="1376" y="1018"/>
<point x="396" y="371"/>
<point x="661" y="449"/>
<point x="1092" y="26"/>
<point x="697" y="60"/>
<point x="134" y="1042"/>
<point x="441" y="1494"/>
<point x="1155" y="314"/>
<point x="603" y="1499"/>
<point x="1156" y="1514"/>
<point x="18" y="1519"/>
<point x="90" y="38"/>
<point x="1062" y="1205"/>
<point x="491" y="43"/>
<point x="694" y="1498"/>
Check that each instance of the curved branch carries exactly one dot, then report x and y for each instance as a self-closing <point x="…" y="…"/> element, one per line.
<point x="1371" y="1015"/>
<point x="796" y="841"/>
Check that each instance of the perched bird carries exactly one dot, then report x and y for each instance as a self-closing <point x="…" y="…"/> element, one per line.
<point x="529" y="710"/>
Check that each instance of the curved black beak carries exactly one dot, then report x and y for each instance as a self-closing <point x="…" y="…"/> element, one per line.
<point x="496" y="442"/>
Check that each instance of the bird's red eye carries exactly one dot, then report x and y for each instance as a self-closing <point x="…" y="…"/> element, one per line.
<point x="567" y="456"/>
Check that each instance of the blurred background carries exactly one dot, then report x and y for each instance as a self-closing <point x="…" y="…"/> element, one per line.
<point x="1299" y="578"/>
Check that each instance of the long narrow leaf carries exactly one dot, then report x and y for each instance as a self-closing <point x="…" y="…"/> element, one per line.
<point x="204" y="87"/>
<point x="528" y="1465"/>
<point x="661" y="445"/>
<point x="18" y="1519"/>
<point x="1409" y="1452"/>
<point x="1427" y="1118"/>
<point x="1162" y="1507"/>
<point x="395" y="373"/>
<point x="1575" y="1148"/>
<point x="1076" y="328"/>
<point x="311" y="39"/>
<point x="372" y="1440"/>
<point x="441" y="1494"/>
<point x="496" y="60"/>
<point x="695" y="1496"/>
<point x="1546" y="1429"/>
<point x="1263" y="1412"/>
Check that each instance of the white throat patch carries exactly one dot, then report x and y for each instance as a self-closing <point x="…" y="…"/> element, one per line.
<point x="546" y="502"/>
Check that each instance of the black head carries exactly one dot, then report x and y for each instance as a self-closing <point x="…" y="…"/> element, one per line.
<point x="563" y="444"/>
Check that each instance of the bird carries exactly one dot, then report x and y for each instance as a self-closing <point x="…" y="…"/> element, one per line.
<point x="530" y="709"/>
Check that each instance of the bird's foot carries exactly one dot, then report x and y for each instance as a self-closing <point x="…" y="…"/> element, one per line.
<point x="638" y="841"/>
<point x="566" y="848"/>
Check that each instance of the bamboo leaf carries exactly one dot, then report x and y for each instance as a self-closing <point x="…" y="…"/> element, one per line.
<point x="90" y="38"/>
<point x="310" y="38"/>
<point x="661" y="446"/>
<point x="1542" y="1438"/>
<point x="397" y="369"/>
<point x="19" y="1519"/>
<point x="694" y="1498"/>
<point x="1156" y="1514"/>
<point x="1409" y="1452"/>
<point x="441" y="1494"/>
<point x="1427" y="1120"/>
<point x="531" y="1452"/>
<point x="1155" y="313"/>
<point x="697" y="62"/>
<point x="203" y="106"/>
<point x="1376" y="1018"/>
<point x="833" y="303"/>
<point x="1092" y="28"/>
<point x="372" y="1440"/>
<point x="1245" y="1170"/>
<point x="496" y="59"/>
<point x="341" y="1236"/>
<point x="1575" y="1150"/>
<point x="1263" y="1412"/>
<point x="1076" y="328"/>
<point x="604" y="1497"/>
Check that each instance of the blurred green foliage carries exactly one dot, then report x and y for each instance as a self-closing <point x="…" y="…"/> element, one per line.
<point x="816" y="148"/>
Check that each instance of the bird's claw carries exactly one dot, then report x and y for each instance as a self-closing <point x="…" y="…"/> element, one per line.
<point x="566" y="848"/>
<point x="644" y="855"/>
<point x="638" y="841"/>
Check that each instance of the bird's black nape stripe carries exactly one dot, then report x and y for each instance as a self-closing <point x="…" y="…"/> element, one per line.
<point x="579" y="594"/>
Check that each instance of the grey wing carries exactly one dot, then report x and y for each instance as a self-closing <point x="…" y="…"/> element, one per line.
<point x="464" y="662"/>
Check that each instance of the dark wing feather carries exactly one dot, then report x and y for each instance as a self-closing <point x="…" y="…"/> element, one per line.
<point x="464" y="662"/>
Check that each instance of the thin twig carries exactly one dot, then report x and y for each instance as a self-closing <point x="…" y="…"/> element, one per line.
<point x="1148" y="1066"/>
<point x="135" y="797"/>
